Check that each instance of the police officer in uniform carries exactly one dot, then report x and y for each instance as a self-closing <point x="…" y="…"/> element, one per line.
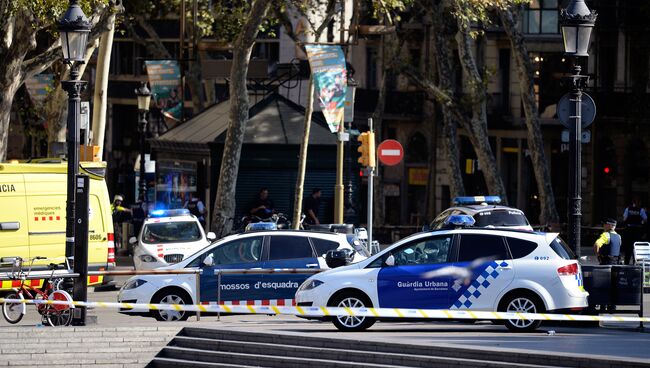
<point x="635" y="218"/>
<point x="120" y="214"/>
<point x="196" y="208"/>
<point x="608" y="245"/>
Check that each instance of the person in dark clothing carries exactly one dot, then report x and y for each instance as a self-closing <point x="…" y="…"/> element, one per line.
<point x="608" y="245"/>
<point x="635" y="218"/>
<point x="196" y="208"/>
<point x="310" y="207"/>
<point x="262" y="206"/>
<point x="139" y="214"/>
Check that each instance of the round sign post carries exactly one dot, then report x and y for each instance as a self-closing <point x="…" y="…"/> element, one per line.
<point x="390" y="152"/>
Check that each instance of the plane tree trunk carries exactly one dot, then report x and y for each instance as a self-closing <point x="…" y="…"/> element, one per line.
<point x="224" y="205"/>
<point x="524" y="68"/>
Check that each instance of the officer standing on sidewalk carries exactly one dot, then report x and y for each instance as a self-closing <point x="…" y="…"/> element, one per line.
<point x="635" y="218"/>
<point x="608" y="245"/>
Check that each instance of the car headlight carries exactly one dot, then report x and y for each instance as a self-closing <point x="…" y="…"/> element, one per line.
<point x="148" y="258"/>
<point x="132" y="284"/>
<point x="310" y="284"/>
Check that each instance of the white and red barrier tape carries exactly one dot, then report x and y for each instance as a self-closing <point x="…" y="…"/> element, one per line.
<point x="337" y="311"/>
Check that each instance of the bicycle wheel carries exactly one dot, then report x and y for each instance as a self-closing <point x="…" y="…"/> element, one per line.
<point x="59" y="314"/>
<point x="13" y="312"/>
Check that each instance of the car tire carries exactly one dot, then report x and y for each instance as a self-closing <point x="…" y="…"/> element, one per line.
<point x="522" y="302"/>
<point x="171" y="296"/>
<point x="351" y="299"/>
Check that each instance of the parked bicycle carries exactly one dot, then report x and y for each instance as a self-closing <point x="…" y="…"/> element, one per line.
<point x="52" y="315"/>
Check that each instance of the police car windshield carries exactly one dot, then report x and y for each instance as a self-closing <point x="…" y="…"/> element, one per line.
<point x="171" y="232"/>
<point x="500" y="217"/>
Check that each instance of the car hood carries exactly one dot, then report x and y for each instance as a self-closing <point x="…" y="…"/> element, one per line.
<point x="185" y="248"/>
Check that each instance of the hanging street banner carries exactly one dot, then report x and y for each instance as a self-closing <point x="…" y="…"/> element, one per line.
<point x="165" y="81"/>
<point x="328" y="71"/>
<point x="38" y="87"/>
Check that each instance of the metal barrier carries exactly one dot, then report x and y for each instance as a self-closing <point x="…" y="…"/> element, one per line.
<point x="259" y="271"/>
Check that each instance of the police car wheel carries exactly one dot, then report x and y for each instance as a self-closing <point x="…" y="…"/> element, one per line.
<point x="171" y="296"/>
<point x="522" y="303"/>
<point x="349" y="323"/>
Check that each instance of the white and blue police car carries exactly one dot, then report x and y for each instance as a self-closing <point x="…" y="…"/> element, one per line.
<point x="167" y="237"/>
<point x="272" y="249"/>
<point x="486" y="211"/>
<point x="518" y="271"/>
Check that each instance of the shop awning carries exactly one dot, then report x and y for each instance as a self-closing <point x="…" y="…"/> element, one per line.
<point x="274" y="120"/>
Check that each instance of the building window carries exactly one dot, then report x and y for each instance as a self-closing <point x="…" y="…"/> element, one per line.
<point x="541" y="17"/>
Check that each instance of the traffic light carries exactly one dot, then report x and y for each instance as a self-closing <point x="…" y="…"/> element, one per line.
<point x="367" y="149"/>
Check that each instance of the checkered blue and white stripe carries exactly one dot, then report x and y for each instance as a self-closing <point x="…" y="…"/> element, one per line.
<point x="478" y="286"/>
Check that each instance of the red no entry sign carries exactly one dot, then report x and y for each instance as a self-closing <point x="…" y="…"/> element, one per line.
<point x="390" y="152"/>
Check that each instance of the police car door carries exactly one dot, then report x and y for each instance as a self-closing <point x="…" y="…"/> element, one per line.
<point x="488" y="278"/>
<point x="405" y="285"/>
<point x="242" y="253"/>
<point x="286" y="251"/>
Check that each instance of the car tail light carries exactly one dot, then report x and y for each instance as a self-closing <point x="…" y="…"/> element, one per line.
<point x="568" y="270"/>
<point x="110" y="258"/>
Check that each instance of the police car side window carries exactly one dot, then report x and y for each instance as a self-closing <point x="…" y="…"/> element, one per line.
<point x="520" y="248"/>
<point x="322" y="245"/>
<point x="475" y="246"/>
<point x="431" y="250"/>
<point x="289" y="247"/>
<point x="244" y="250"/>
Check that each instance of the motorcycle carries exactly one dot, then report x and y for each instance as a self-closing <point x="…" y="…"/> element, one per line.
<point x="279" y="219"/>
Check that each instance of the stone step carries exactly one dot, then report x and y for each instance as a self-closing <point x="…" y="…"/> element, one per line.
<point x="472" y="353"/>
<point x="348" y="355"/>
<point x="80" y="349"/>
<point x="161" y="362"/>
<point x="271" y="361"/>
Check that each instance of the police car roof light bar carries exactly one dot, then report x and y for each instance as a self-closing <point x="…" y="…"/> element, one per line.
<point x="460" y="221"/>
<point x="169" y="213"/>
<point x="261" y="226"/>
<point x="464" y="201"/>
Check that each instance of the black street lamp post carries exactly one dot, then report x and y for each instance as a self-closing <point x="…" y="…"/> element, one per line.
<point x="74" y="28"/>
<point x="144" y="98"/>
<point x="577" y="22"/>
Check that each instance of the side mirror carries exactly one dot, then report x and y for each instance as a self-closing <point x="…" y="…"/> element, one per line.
<point x="209" y="260"/>
<point x="133" y="240"/>
<point x="211" y="236"/>
<point x="426" y="228"/>
<point x="390" y="261"/>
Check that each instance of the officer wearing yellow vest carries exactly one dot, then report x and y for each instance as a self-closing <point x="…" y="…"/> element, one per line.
<point x="119" y="214"/>
<point x="608" y="245"/>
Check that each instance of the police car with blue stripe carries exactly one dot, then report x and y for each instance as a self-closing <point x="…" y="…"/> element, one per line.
<point x="458" y="267"/>
<point x="258" y="248"/>
<point x="486" y="211"/>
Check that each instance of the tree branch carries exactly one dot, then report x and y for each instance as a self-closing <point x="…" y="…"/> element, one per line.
<point x="160" y="49"/>
<point x="329" y="15"/>
<point x="101" y="23"/>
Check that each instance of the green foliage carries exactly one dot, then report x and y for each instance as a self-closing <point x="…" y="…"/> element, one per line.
<point x="47" y="12"/>
<point x="478" y="11"/>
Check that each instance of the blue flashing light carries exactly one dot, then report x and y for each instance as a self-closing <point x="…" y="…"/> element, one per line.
<point x="464" y="201"/>
<point x="157" y="213"/>
<point x="460" y="220"/>
<point x="260" y="226"/>
<point x="169" y="213"/>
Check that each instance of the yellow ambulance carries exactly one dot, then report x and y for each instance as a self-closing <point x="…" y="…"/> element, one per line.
<point x="32" y="214"/>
